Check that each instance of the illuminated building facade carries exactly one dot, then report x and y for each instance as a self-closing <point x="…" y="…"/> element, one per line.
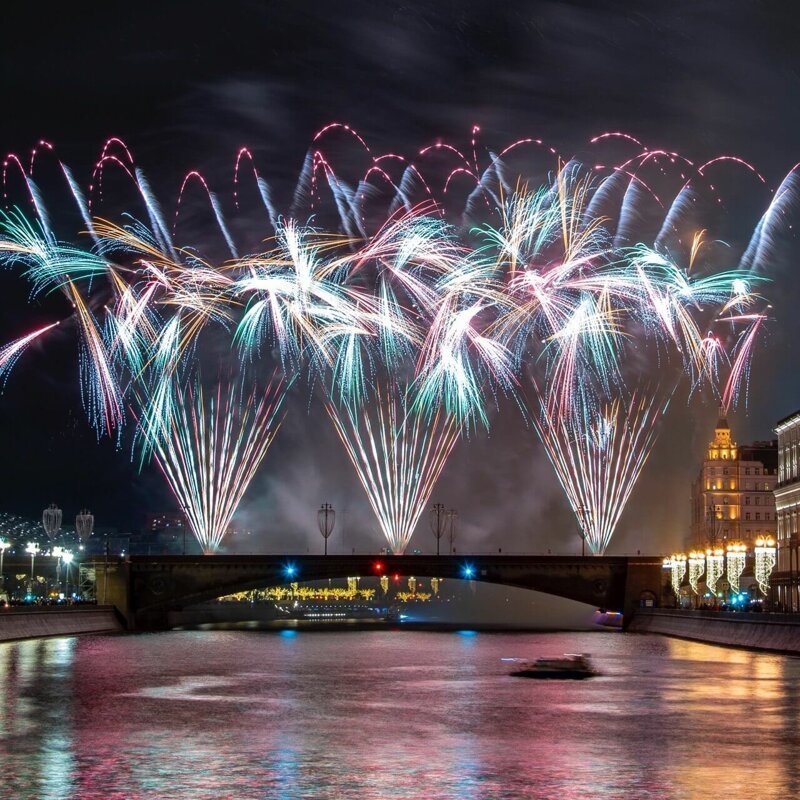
<point x="787" y="503"/>
<point x="732" y="497"/>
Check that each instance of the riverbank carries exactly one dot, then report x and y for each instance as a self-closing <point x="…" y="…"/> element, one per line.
<point x="31" y="622"/>
<point x="779" y="633"/>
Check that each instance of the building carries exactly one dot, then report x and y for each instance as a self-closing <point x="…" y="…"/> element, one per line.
<point x="173" y="521"/>
<point x="787" y="503"/>
<point x="732" y="497"/>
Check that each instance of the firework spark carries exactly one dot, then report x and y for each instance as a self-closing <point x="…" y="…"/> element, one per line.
<point x="210" y="446"/>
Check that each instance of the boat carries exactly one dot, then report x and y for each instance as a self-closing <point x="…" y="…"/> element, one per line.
<point x="571" y="666"/>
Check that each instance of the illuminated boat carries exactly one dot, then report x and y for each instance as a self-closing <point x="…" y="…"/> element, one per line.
<point x="571" y="666"/>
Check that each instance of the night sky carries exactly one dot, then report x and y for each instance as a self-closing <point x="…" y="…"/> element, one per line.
<point x="187" y="84"/>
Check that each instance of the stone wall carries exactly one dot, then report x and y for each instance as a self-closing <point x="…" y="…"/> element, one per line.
<point x="29" y="623"/>
<point x="776" y="632"/>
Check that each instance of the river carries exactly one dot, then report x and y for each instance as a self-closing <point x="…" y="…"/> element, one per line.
<point x="392" y="714"/>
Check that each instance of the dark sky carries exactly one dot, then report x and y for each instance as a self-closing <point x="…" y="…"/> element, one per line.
<point x="186" y="84"/>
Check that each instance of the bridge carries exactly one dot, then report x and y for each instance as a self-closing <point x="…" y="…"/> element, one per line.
<point x="144" y="589"/>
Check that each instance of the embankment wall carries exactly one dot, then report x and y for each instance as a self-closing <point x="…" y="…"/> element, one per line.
<point x="29" y="623"/>
<point x="776" y="632"/>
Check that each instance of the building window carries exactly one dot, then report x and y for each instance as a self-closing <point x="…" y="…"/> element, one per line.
<point x="766" y="487"/>
<point x="747" y="515"/>
<point x="733" y="484"/>
<point x="747" y="470"/>
<point x="747" y="500"/>
<point x="724" y="470"/>
<point x="758" y="516"/>
<point x="758" y="500"/>
<point x="757" y="471"/>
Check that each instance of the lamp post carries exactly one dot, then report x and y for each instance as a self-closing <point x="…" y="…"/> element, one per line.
<point x="67" y="558"/>
<point x="326" y="519"/>
<point x="582" y="523"/>
<point x="438" y="520"/>
<point x="4" y="545"/>
<point x="58" y="552"/>
<point x="452" y="518"/>
<point x="32" y="549"/>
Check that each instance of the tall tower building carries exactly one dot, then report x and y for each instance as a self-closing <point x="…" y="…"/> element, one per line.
<point x="732" y="496"/>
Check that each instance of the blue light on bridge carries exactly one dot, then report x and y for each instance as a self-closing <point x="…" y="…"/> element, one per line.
<point x="468" y="571"/>
<point x="290" y="570"/>
<point x="467" y="633"/>
<point x="288" y="634"/>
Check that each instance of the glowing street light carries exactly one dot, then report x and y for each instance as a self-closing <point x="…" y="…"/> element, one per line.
<point x="58" y="552"/>
<point x="765" y="554"/>
<point x="67" y="557"/>
<point x="32" y="549"/>
<point x="4" y="545"/>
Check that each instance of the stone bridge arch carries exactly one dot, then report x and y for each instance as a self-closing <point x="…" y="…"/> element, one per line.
<point x="145" y="588"/>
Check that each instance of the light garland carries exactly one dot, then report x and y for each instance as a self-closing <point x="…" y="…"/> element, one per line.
<point x="697" y="565"/>
<point x="736" y="556"/>
<point x="765" y="554"/>
<point x="678" y="572"/>
<point x="715" y="566"/>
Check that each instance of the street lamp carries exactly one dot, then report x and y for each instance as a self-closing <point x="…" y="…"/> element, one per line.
<point x="67" y="557"/>
<point x="326" y="519"/>
<point x="32" y="549"/>
<point x="582" y="522"/>
<point x="4" y="545"/>
<point x="452" y="518"/>
<point x="58" y="552"/>
<point x="438" y="520"/>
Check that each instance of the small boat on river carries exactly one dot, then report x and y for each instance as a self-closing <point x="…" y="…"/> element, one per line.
<point x="571" y="666"/>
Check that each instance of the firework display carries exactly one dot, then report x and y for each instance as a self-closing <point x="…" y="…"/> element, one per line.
<point x="410" y="319"/>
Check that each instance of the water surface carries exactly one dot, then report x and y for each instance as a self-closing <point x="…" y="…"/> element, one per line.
<point x="391" y="714"/>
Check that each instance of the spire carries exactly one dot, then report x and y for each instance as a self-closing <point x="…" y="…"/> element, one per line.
<point x="722" y="422"/>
